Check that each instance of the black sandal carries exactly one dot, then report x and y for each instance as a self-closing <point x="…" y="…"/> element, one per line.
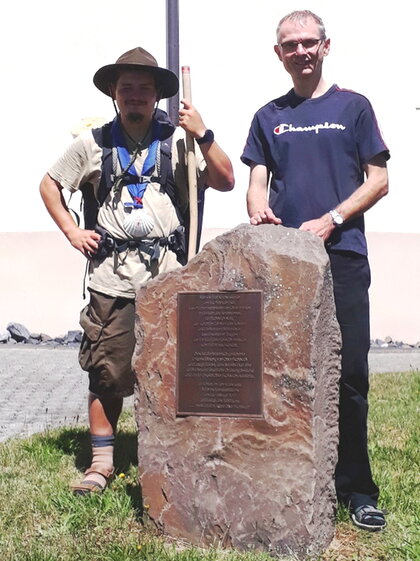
<point x="369" y="517"/>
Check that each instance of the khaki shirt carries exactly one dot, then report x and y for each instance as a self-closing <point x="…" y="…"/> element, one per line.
<point x="122" y="274"/>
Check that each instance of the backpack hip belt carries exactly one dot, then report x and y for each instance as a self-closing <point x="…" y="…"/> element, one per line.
<point x="107" y="245"/>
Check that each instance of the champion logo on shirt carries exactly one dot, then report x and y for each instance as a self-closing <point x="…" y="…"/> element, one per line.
<point x="288" y="127"/>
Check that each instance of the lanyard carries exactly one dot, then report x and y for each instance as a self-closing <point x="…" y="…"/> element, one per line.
<point x="138" y="185"/>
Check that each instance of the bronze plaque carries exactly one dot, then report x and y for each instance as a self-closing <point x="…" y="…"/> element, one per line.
<point x="219" y="354"/>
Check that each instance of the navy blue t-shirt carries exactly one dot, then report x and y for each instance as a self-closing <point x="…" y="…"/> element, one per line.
<point x="314" y="150"/>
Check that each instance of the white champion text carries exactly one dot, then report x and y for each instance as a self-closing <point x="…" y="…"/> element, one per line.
<point x="283" y="127"/>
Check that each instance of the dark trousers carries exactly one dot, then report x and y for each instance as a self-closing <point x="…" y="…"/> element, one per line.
<point x="353" y="477"/>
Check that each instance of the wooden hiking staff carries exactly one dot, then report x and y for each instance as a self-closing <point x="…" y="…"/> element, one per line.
<point x="192" y="172"/>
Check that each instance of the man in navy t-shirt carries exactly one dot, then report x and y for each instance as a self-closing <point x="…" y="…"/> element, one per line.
<point x="320" y="151"/>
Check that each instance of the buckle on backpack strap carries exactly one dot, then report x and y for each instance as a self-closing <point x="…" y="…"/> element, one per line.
<point x="108" y="244"/>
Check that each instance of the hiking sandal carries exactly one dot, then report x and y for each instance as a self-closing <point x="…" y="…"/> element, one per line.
<point x="89" y="486"/>
<point x="369" y="517"/>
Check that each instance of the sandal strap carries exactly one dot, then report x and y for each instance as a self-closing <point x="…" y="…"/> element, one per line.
<point x="87" y="484"/>
<point x="369" y="511"/>
<point x="86" y="487"/>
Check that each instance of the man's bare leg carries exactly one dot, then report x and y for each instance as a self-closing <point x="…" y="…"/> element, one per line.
<point x="104" y="413"/>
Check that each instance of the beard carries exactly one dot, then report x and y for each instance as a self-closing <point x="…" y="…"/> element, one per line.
<point x="134" y="117"/>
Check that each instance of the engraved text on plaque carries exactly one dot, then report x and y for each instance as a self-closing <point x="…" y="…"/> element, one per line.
<point x="219" y="353"/>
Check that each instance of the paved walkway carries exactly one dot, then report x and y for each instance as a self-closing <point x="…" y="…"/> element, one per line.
<point x="41" y="387"/>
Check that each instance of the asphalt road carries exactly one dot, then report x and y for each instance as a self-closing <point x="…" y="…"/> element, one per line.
<point x="42" y="387"/>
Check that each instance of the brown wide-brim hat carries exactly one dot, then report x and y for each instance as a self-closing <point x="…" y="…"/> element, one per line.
<point x="137" y="59"/>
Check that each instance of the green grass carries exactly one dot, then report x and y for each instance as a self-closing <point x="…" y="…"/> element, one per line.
<point x="40" y="520"/>
<point x="395" y="458"/>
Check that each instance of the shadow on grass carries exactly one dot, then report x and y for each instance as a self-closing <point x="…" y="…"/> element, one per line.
<point x="136" y="498"/>
<point x="76" y="442"/>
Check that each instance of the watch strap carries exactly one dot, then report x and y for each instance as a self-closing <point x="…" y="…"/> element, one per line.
<point x="208" y="137"/>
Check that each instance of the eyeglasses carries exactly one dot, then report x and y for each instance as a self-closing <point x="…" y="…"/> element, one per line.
<point x="292" y="46"/>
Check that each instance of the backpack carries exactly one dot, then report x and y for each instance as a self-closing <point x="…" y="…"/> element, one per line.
<point x="165" y="177"/>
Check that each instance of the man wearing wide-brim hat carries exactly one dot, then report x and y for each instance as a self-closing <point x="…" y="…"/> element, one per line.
<point x="137" y="227"/>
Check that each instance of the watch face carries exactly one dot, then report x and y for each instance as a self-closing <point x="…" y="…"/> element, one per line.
<point x="336" y="218"/>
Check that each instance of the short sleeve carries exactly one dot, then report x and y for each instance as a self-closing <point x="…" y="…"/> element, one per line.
<point x="254" y="151"/>
<point x="368" y="135"/>
<point x="80" y="163"/>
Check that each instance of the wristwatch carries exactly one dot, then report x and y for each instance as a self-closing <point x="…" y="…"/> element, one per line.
<point x="207" y="137"/>
<point x="337" y="219"/>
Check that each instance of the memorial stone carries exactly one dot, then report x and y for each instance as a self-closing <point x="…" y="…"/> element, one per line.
<point x="262" y="480"/>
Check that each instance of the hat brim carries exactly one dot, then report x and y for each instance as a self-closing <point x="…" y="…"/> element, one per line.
<point x="166" y="81"/>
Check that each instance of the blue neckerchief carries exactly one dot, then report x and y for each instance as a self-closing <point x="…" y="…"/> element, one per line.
<point x="137" y="189"/>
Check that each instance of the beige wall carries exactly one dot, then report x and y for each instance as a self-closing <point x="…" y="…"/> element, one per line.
<point x="42" y="279"/>
<point x="395" y="294"/>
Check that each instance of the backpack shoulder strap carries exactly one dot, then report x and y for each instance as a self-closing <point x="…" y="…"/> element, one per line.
<point x="103" y="138"/>
<point x="91" y="203"/>
<point x="165" y="171"/>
